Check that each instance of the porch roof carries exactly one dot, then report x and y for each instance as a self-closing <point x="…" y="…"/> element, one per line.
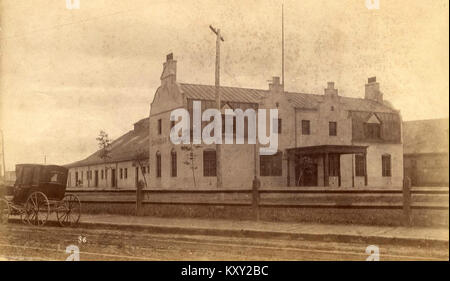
<point x="322" y="149"/>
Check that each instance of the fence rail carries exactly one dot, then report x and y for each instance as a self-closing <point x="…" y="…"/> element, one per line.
<point x="255" y="198"/>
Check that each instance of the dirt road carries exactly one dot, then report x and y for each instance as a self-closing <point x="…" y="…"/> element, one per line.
<point x="20" y="242"/>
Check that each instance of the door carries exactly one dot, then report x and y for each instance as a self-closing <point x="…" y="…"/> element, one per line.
<point x="306" y="172"/>
<point x="137" y="176"/>
<point x="310" y="178"/>
<point x="334" y="169"/>
<point x="96" y="178"/>
<point x="113" y="177"/>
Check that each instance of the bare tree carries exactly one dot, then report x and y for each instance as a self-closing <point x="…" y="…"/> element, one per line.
<point x="140" y="156"/>
<point x="305" y="166"/>
<point x="104" y="144"/>
<point x="190" y="160"/>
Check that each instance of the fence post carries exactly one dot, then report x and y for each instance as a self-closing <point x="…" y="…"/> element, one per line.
<point x="139" y="198"/>
<point x="407" y="201"/>
<point x="255" y="197"/>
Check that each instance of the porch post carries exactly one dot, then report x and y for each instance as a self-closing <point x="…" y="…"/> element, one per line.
<point x="365" y="168"/>
<point x="288" y="170"/>
<point x="326" y="178"/>
<point x="353" y="170"/>
<point x="339" y="167"/>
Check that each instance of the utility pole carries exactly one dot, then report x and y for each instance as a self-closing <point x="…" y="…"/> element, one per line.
<point x="282" y="45"/>
<point x="218" y="104"/>
<point x="3" y="155"/>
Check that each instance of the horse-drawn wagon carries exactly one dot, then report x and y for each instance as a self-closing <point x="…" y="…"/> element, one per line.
<point x="39" y="191"/>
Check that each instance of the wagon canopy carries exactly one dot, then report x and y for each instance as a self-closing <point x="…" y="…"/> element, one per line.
<point x="35" y="174"/>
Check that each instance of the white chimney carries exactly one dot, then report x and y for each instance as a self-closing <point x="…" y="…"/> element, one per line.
<point x="275" y="85"/>
<point x="330" y="90"/>
<point x="373" y="90"/>
<point x="169" y="74"/>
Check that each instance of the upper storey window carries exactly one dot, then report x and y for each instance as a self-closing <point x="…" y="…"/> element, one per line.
<point x="372" y="128"/>
<point x="332" y="128"/>
<point x="159" y="126"/>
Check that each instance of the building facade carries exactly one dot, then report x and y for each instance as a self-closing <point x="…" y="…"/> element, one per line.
<point x="426" y="152"/>
<point x="125" y="166"/>
<point x="324" y="140"/>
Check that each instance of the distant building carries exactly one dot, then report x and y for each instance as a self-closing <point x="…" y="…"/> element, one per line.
<point x="425" y="148"/>
<point x="121" y="169"/>
<point x="351" y="142"/>
<point x="10" y="177"/>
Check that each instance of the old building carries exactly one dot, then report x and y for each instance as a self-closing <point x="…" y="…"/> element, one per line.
<point x="125" y="166"/>
<point x="425" y="150"/>
<point x="324" y="139"/>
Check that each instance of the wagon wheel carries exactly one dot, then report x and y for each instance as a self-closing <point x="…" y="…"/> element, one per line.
<point x="23" y="216"/>
<point x="37" y="209"/>
<point x="4" y="211"/>
<point x="69" y="210"/>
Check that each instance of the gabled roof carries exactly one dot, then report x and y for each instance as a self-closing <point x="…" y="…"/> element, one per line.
<point x="298" y="100"/>
<point x="122" y="149"/>
<point x="234" y="94"/>
<point x="425" y="136"/>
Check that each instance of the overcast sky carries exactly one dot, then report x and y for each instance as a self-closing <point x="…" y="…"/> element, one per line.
<point x="67" y="74"/>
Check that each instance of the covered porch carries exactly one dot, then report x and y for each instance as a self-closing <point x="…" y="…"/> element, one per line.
<point x="321" y="165"/>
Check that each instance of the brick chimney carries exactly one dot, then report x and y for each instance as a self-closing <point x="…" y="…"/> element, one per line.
<point x="330" y="90"/>
<point x="169" y="73"/>
<point x="373" y="90"/>
<point x="275" y="85"/>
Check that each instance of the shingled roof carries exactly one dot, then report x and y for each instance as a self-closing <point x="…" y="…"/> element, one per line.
<point x="298" y="100"/>
<point x="122" y="149"/>
<point x="425" y="136"/>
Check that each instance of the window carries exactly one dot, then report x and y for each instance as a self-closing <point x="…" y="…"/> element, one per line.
<point x="126" y="172"/>
<point x="121" y="173"/>
<point x="102" y="174"/>
<point x="333" y="129"/>
<point x="159" y="126"/>
<point x="386" y="165"/>
<point x="334" y="165"/>
<point x="158" y="165"/>
<point x="279" y="125"/>
<point x="173" y="155"/>
<point x="143" y="169"/>
<point x="96" y="178"/>
<point x="223" y="124"/>
<point x="209" y="163"/>
<point x="270" y="165"/>
<point x="306" y="127"/>
<point x="55" y="177"/>
<point x="360" y="166"/>
<point x="76" y="178"/>
<point x="372" y="130"/>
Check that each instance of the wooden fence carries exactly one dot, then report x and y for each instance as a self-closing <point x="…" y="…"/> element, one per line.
<point x="258" y="198"/>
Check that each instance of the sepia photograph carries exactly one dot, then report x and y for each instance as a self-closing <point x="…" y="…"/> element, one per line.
<point x="246" y="132"/>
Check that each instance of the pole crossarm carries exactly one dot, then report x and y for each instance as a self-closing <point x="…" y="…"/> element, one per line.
<point x="215" y="31"/>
